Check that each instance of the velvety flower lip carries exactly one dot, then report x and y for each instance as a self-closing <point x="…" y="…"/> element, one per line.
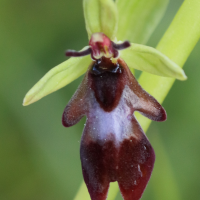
<point x="113" y="145"/>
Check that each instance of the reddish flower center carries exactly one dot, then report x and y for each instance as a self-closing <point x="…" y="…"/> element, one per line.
<point x="100" y="46"/>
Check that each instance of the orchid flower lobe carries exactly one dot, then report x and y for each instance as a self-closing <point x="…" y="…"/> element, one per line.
<point x="113" y="145"/>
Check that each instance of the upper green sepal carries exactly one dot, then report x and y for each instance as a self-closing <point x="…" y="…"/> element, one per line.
<point x="148" y="59"/>
<point x="58" y="77"/>
<point x="101" y="16"/>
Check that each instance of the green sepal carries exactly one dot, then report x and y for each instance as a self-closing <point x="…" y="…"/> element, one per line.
<point x="58" y="77"/>
<point x="139" y="18"/>
<point x="100" y="16"/>
<point x="150" y="60"/>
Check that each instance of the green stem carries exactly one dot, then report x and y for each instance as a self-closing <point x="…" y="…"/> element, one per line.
<point x="82" y="193"/>
<point x="163" y="182"/>
<point x="133" y="71"/>
<point x="177" y="43"/>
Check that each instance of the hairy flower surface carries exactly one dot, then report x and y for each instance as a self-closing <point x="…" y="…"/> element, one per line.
<point x="113" y="145"/>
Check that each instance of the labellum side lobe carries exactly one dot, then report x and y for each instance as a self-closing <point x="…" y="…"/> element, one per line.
<point x="113" y="145"/>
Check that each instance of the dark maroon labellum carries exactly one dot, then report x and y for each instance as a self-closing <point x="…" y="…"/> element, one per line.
<point x="113" y="145"/>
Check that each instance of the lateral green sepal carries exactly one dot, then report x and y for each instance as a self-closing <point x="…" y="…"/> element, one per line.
<point x="150" y="60"/>
<point x="56" y="78"/>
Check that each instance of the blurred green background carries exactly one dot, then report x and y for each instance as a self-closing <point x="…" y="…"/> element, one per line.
<point x="39" y="158"/>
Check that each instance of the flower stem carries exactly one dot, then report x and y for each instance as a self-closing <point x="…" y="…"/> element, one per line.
<point x="82" y="193"/>
<point x="177" y="43"/>
<point x="163" y="181"/>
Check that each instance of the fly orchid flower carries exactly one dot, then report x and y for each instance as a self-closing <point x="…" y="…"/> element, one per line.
<point x="113" y="145"/>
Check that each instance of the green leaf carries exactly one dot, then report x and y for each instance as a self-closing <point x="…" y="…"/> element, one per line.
<point x="139" y="18"/>
<point x="150" y="60"/>
<point x="100" y="16"/>
<point x="58" y="77"/>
